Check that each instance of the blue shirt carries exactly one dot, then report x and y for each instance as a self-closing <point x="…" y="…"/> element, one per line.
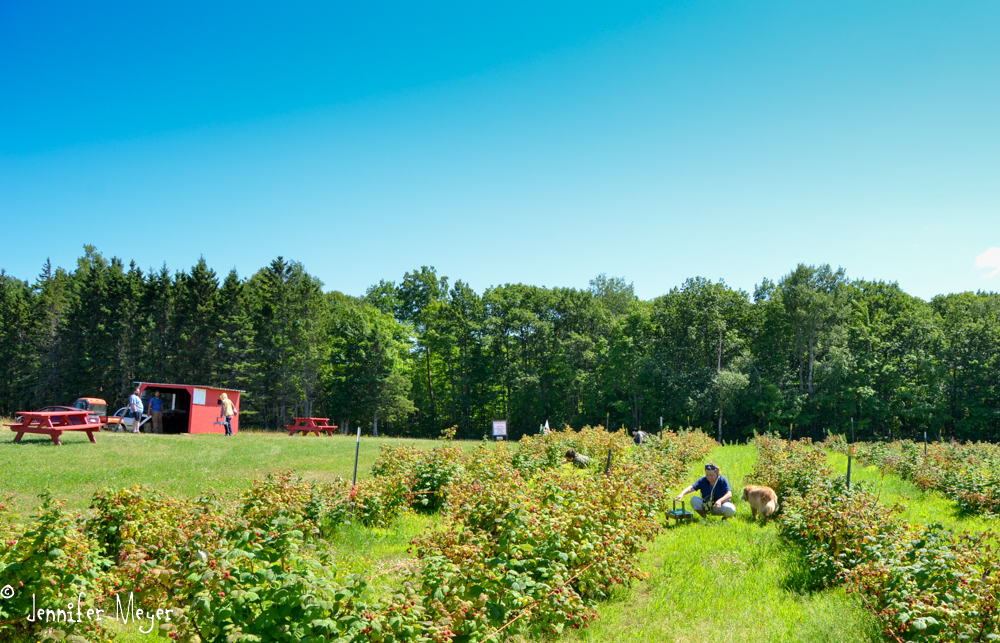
<point x="705" y="487"/>
<point x="155" y="404"/>
<point x="135" y="403"/>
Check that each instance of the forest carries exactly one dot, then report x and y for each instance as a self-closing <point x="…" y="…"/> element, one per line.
<point x="811" y="353"/>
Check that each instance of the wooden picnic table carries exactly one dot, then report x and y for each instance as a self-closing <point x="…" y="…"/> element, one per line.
<point x="53" y="423"/>
<point x="311" y="425"/>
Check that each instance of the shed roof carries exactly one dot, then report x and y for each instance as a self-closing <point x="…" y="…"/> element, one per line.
<point x="217" y="388"/>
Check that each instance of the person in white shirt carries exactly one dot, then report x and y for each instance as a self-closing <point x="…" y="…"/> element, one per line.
<point x="135" y="405"/>
<point x="227" y="412"/>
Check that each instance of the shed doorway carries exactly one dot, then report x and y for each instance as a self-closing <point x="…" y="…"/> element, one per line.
<point x="176" y="407"/>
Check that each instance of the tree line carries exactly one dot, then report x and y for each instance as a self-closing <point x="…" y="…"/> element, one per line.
<point x="809" y="353"/>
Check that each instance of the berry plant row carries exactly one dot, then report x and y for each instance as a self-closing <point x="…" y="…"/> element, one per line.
<point x="525" y="546"/>
<point x="922" y="582"/>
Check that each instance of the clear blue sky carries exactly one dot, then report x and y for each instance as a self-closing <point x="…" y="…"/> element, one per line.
<point x="507" y="142"/>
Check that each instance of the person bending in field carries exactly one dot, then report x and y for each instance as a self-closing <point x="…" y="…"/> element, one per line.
<point x="578" y="460"/>
<point x="716" y="496"/>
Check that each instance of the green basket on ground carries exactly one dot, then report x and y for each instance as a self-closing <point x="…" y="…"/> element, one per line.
<point x="679" y="514"/>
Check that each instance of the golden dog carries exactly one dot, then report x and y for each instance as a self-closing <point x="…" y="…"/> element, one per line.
<point x="762" y="499"/>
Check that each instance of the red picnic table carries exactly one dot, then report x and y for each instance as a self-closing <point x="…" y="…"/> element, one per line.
<point x="53" y="423"/>
<point x="311" y="425"/>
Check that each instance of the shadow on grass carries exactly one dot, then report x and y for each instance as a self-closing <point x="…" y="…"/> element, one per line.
<point x="798" y="576"/>
<point x="44" y="440"/>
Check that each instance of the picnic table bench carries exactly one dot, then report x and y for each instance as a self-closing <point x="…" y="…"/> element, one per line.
<point x="311" y="425"/>
<point x="53" y="423"/>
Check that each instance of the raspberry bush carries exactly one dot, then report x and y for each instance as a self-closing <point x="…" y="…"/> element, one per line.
<point x="526" y="543"/>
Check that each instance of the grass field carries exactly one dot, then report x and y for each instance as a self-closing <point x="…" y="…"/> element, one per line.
<point x="709" y="581"/>
<point x="178" y="465"/>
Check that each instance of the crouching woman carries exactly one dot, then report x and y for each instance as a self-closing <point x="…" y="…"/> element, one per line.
<point x="716" y="496"/>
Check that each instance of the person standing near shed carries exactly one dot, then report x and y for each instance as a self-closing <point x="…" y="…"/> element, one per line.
<point x="156" y="412"/>
<point x="135" y="406"/>
<point x="228" y="411"/>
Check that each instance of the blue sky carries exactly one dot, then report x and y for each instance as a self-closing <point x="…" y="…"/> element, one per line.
<point x="507" y="142"/>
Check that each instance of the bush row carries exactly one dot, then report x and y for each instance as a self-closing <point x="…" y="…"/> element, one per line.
<point x="253" y="568"/>
<point x="525" y="542"/>
<point x="923" y="583"/>
<point x="790" y="468"/>
<point x="967" y="473"/>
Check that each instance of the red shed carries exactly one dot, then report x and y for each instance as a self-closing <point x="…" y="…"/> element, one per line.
<point x="190" y="408"/>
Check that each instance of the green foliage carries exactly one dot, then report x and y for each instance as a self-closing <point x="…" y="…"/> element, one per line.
<point x="539" y="452"/>
<point x="243" y="570"/>
<point x="967" y="473"/>
<point x="923" y="584"/>
<point x="376" y="502"/>
<point x="195" y="310"/>
<point x="840" y="528"/>
<point x="15" y="326"/>
<point x="368" y="364"/>
<point x="234" y="336"/>
<point x="52" y="559"/>
<point x="937" y="587"/>
<point x="425" y="473"/>
<point x="969" y="326"/>
<point x="536" y="553"/>
<point x="790" y="468"/>
<point x="138" y="518"/>
<point x="431" y="475"/>
<point x="812" y="349"/>
<point x="283" y="496"/>
<point x="257" y="568"/>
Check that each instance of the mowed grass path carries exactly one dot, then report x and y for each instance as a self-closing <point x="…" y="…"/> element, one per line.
<point x="177" y="465"/>
<point x="922" y="507"/>
<point x="727" y="582"/>
<point x="739" y="582"/>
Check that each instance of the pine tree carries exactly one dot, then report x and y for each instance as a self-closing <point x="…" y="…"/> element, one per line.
<point x="52" y="292"/>
<point x="288" y="313"/>
<point x="160" y="336"/>
<point x="234" y="362"/>
<point x="99" y="337"/>
<point x="197" y="324"/>
<point x="15" y="369"/>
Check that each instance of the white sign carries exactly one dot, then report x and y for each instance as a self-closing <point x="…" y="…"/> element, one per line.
<point x="499" y="427"/>
<point x="199" y="396"/>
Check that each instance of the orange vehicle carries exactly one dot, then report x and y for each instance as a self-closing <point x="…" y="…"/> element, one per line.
<point x="100" y="408"/>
